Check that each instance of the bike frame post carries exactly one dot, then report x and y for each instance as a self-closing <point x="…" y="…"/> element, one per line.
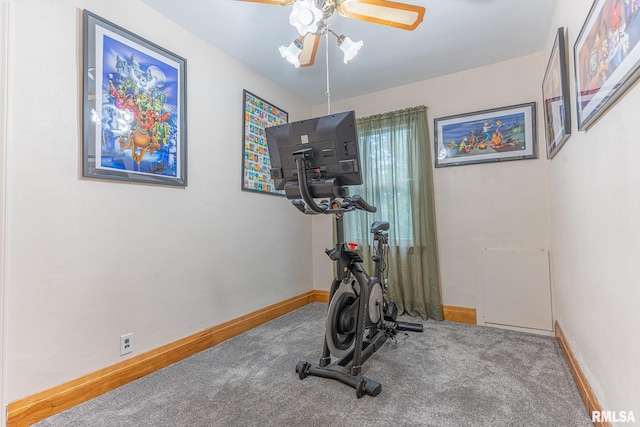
<point x="341" y="269"/>
<point x="341" y="264"/>
<point x="363" y="309"/>
<point x="382" y="240"/>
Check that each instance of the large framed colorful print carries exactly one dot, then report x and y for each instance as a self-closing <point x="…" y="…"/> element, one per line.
<point x="495" y="135"/>
<point x="555" y="94"/>
<point x="134" y="107"/>
<point x="606" y="56"/>
<point x="258" y="114"/>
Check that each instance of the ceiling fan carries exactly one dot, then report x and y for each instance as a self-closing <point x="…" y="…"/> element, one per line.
<point x="310" y="19"/>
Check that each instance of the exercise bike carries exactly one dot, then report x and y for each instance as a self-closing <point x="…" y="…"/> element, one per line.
<point x="359" y="317"/>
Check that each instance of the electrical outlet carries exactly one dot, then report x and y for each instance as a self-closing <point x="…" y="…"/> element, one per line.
<point x="126" y="344"/>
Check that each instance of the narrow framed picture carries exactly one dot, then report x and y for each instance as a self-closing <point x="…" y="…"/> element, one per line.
<point x="495" y="135"/>
<point x="555" y="95"/>
<point x="134" y="107"/>
<point x="606" y="57"/>
<point x="258" y="114"/>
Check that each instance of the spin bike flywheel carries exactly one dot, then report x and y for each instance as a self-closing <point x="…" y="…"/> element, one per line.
<point x="342" y="319"/>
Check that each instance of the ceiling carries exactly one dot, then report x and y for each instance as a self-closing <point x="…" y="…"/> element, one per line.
<point x="455" y="35"/>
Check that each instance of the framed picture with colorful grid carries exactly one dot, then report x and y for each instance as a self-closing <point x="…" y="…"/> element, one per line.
<point x="258" y="114"/>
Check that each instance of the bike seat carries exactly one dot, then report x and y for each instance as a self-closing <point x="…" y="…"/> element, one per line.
<point x="379" y="226"/>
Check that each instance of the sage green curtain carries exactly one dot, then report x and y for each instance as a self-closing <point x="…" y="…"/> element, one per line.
<point x="395" y="157"/>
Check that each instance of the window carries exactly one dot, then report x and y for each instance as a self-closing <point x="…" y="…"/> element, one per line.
<point x="386" y="184"/>
<point x="396" y="163"/>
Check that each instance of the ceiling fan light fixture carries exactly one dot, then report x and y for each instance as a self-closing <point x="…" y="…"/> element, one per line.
<point x="306" y="16"/>
<point x="349" y="47"/>
<point x="291" y="52"/>
<point x="310" y="18"/>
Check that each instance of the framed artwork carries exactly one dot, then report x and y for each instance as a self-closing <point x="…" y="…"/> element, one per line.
<point x="555" y="94"/>
<point x="258" y="114"/>
<point x="134" y="107"/>
<point x="494" y="135"/>
<point x="606" y="56"/>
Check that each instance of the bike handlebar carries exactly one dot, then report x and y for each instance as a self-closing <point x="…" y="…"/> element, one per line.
<point x="309" y="206"/>
<point x="362" y="204"/>
<point x="335" y="206"/>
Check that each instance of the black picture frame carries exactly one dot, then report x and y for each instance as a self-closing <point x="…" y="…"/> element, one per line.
<point x="258" y="114"/>
<point x="606" y="59"/>
<point x="488" y="136"/>
<point x="134" y="107"/>
<point x="555" y="95"/>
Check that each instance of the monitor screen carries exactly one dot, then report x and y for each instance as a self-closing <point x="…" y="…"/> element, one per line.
<point x="333" y="140"/>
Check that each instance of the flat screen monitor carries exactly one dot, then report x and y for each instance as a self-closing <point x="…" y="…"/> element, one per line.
<point x="333" y="140"/>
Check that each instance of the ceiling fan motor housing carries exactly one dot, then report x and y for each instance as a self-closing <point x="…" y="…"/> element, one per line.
<point x="306" y="16"/>
<point x="327" y="7"/>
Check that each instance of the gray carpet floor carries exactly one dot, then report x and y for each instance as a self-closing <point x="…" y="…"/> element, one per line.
<point x="451" y="374"/>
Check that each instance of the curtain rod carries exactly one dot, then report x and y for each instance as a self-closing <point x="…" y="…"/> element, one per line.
<point x="395" y="113"/>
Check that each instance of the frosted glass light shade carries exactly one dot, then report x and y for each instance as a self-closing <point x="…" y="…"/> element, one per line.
<point x="291" y="52"/>
<point x="350" y="48"/>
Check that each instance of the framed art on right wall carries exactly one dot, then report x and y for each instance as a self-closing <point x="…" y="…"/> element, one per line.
<point x="555" y="94"/>
<point x="606" y="57"/>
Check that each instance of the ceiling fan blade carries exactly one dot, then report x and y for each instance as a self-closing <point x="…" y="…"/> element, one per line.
<point x="398" y="15"/>
<point x="308" y="54"/>
<point x="277" y="2"/>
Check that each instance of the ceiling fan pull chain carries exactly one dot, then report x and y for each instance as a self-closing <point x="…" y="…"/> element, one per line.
<point x="326" y="45"/>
